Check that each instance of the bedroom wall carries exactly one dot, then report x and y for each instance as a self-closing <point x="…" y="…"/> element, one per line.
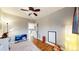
<point x="55" y="22"/>
<point x="0" y="24"/>
<point x="0" y="19"/>
<point x="78" y="42"/>
<point x="71" y="39"/>
<point x="16" y="25"/>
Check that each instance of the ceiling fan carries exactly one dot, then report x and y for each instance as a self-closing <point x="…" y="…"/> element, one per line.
<point x="31" y="9"/>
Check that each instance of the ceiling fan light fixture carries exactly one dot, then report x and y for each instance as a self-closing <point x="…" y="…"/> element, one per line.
<point x="31" y="11"/>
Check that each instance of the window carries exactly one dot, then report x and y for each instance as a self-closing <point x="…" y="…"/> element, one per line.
<point x="52" y="36"/>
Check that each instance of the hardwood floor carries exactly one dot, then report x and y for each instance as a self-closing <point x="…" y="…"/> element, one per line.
<point x="45" y="46"/>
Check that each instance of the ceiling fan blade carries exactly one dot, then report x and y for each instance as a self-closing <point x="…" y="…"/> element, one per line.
<point x="31" y="8"/>
<point x="29" y="14"/>
<point x="37" y="10"/>
<point x="35" y="14"/>
<point x="23" y="9"/>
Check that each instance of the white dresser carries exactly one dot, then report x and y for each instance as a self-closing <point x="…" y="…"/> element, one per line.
<point x="4" y="44"/>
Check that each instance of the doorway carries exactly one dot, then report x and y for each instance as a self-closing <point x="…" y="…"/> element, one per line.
<point x="32" y="31"/>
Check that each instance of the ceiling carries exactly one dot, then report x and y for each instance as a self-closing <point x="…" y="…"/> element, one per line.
<point x="44" y="11"/>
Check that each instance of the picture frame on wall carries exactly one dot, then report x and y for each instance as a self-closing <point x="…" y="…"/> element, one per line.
<point x="75" y="24"/>
<point x="52" y="36"/>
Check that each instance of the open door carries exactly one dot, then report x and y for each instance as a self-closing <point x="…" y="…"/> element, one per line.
<point x="32" y="31"/>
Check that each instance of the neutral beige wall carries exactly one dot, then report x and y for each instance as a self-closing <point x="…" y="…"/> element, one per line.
<point x="16" y="25"/>
<point x="78" y="42"/>
<point x="0" y="19"/>
<point x="55" y="22"/>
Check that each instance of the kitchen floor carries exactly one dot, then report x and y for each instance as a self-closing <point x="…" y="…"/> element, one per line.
<point x="24" y="46"/>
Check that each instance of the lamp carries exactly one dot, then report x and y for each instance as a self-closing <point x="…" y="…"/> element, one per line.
<point x="7" y="27"/>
